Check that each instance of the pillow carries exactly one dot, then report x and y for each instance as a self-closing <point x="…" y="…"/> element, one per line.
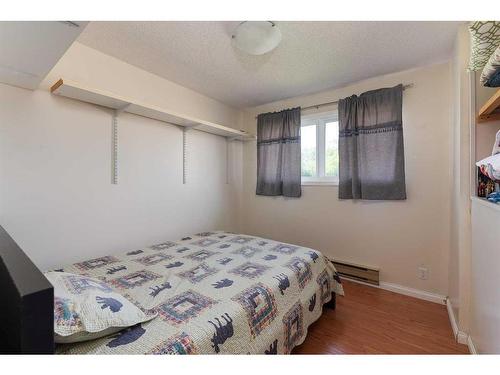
<point x="87" y="308"/>
<point x="491" y="70"/>
<point x="490" y="166"/>
<point x="494" y="80"/>
<point x="485" y="38"/>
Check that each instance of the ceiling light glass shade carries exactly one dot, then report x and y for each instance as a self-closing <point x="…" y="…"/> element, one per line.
<point x="257" y="37"/>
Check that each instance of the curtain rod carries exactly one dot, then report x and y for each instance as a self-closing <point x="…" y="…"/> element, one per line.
<point x="410" y="85"/>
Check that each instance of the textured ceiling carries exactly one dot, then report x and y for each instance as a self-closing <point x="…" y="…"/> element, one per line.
<point x="312" y="56"/>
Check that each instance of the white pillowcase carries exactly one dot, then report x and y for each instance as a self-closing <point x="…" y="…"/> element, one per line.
<point x="490" y="166"/>
<point x="87" y="308"/>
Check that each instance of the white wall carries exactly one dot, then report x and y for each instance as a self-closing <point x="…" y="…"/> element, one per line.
<point x="396" y="236"/>
<point x="460" y="189"/>
<point x="56" y="196"/>
<point x="485" y="293"/>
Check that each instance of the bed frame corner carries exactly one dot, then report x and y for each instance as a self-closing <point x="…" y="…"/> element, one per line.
<point x="27" y="297"/>
<point x="332" y="304"/>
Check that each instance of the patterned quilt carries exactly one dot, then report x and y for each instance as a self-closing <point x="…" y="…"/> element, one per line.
<point x="214" y="292"/>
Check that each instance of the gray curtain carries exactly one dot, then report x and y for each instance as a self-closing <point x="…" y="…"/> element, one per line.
<point x="371" y="154"/>
<point x="278" y="153"/>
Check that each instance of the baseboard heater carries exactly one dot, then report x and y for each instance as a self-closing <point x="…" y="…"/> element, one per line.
<point x="357" y="272"/>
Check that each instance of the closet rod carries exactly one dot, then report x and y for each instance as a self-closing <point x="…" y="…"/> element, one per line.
<point x="410" y="85"/>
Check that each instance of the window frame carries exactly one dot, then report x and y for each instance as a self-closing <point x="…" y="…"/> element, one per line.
<point x="320" y="120"/>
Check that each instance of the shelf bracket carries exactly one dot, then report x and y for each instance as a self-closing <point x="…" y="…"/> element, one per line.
<point x="114" y="149"/>
<point x="228" y="157"/>
<point x="114" y="144"/>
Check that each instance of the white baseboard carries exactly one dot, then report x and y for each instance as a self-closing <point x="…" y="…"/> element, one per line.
<point x="460" y="336"/>
<point x="417" y="293"/>
<point x="451" y="316"/>
<point x="470" y="344"/>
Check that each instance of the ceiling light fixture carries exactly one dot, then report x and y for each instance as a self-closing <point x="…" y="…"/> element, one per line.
<point x="256" y="37"/>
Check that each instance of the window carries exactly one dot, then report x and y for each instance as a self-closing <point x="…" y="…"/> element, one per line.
<point x="319" y="149"/>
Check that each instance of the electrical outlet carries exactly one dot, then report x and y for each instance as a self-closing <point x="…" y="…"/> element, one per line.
<point x="423" y="273"/>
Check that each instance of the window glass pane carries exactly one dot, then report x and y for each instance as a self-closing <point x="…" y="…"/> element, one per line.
<point x="308" y="150"/>
<point x="332" y="149"/>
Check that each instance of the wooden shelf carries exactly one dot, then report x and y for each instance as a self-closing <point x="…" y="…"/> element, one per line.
<point x="105" y="99"/>
<point x="491" y="109"/>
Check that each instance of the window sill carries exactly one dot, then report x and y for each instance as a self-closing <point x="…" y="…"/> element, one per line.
<point x="320" y="183"/>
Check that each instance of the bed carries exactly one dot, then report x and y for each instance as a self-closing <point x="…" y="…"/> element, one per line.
<point x="214" y="292"/>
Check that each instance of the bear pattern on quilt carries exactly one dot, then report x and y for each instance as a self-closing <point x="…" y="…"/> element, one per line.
<point x="214" y="292"/>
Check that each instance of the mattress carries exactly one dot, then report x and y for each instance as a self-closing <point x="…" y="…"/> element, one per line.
<point x="214" y="292"/>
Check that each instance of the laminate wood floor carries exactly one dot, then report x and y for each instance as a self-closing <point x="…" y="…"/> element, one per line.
<point x="374" y="321"/>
